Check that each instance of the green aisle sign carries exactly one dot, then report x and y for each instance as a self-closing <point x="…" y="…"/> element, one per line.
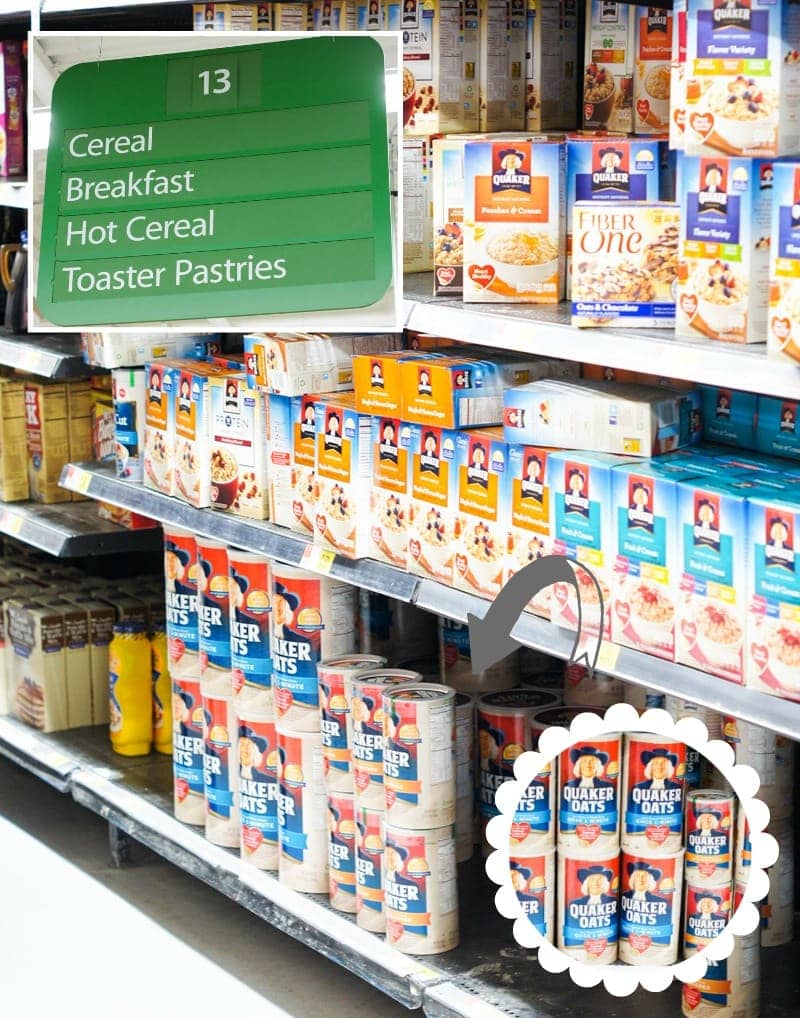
<point x="243" y="181"/>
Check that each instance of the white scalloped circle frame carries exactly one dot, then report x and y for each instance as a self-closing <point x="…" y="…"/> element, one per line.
<point x="622" y="980"/>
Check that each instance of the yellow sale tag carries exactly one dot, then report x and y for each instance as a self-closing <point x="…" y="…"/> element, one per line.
<point x="608" y="656"/>
<point x="78" y="480"/>
<point x="12" y="524"/>
<point x="319" y="560"/>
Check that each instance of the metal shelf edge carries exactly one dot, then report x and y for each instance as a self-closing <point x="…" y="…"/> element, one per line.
<point x="446" y="1000"/>
<point x="34" y="752"/>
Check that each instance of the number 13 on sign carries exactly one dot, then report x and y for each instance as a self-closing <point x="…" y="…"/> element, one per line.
<point x="221" y="81"/>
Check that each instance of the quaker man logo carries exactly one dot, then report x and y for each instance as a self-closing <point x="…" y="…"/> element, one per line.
<point x="723" y="404"/>
<point x="731" y="14"/>
<point x="476" y="471"/>
<point x="307" y="421"/>
<point x="232" y="395"/>
<point x="333" y="432"/>
<point x="656" y="20"/>
<point x="185" y="395"/>
<point x="640" y="504"/>
<point x="376" y="375"/>
<point x="611" y="172"/>
<point x="576" y="493"/>
<point x="706" y="522"/>
<point x="531" y="485"/>
<point x="424" y="387"/>
<point x="788" y="422"/>
<point x="156" y="395"/>
<point x="510" y="172"/>
<point x="712" y="196"/>
<point x="387" y="449"/>
<point x="429" y="457"/>
<point x="779" y="544"/>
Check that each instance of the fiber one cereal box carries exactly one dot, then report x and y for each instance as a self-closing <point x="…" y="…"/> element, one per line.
<point x="645" y="583"/>
<point x="343" y="465"/>
<point x="551" y="65"/>
<point x="723" y="271"/>
<point x="742" y="77"/>
<point x="729" y="416"/>
<point x="624" y="263"/>
<point x="482" y="465"/>
<point x="501" y="64"/>
<point x="433" y="488"/>
<point x="773" y="588"/>
<point x="238" y="430"/>
<point x="608" y="66"/>
<point x="610" y="169"/>
<point x="440" y="60"/>
<point x="651" y="70"/>
<point x="417" y="204"/>
<point x="514" y="222"/>
<point x="388" y="497"/>
<point x="582" y="530"/>
<point x="711" y="522"/>
<point x="783" y="332"/>
<point x="529" y="516"/>
<point x="677" y="78"/>
<point x="778" y="428"/>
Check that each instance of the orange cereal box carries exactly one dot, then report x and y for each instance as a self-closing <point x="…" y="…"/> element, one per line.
<point x="388" y="502"/>
<point x="651" y="70"/>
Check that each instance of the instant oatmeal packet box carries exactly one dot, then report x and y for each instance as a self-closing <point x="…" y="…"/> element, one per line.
<point x="237" y="432"/>
<point x="608" y="66"/>
<point x="624" y="263"/>
<point x="723" y="270"/>
<point x="514" y="221"/>
<point x="783" y="330"/>
<point x="742" y="77"/>
<point x="652" y="70"/>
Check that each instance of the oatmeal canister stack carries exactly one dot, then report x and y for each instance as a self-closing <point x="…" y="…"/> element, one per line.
<point x="742" y="90"/>
<point x="334" y="676"/>
<point x="533" y="877"/>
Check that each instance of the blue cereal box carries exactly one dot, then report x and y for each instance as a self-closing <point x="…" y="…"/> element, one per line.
<point x="777" y="431"/>
<point x="783" y="334"/>
<point x="729" y="416"/>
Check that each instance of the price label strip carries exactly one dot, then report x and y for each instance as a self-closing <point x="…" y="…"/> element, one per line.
<point x="318" y="560"/>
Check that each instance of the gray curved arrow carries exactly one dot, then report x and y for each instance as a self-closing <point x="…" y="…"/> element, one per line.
<point x="490" y="637"/>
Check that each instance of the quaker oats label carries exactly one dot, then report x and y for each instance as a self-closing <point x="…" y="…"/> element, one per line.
<point x="335" y="724"/>
<point x="709" y="838"/>
<point x="219" y="764"/>
<point x="650" y="908"/>
<point x="214" y="609"/>
<point x="342" y="851"/>
<point x="258" y="792"/>
<point x="250" y="650"/>
<point x="707" y="912"/>
<point x="534" y="815"/>
<point x="369" y="870"/>
<point x="588" y="907"/>
<point x="588" y="801"/>
<point x="533" y="878"/>
<point x="655" y="769"/>
<point x="187" y="751"/>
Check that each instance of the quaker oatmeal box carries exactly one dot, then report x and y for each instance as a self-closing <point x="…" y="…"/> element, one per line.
<point x="448" y="213"/>
<point x="514" y="221"/>
<point x="529" y="516"/>
<point x="433" y="489"/>
<point x="677" y="78"/>
<point x="608" y="70"/>
<point x="440" y="58"/>
<point x="742" y="77"/>
<point x="388" y="497"/>
<point x="723" y="270"/>
<point x="501" y="62"/>
<point x="238" y="450"/>
<point x="159" y="428"/>
<point x="417" y="204"/>
<point x="783" y="333"/>
<point x="651" y="70"/>
<point x="624" y="263"/>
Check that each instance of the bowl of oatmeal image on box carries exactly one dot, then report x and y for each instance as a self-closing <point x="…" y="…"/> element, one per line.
<point x="721" y="297"/>
<point x="744" y="112"/>
<point x="649" y="610"/>
<point x="521" y="255"/>
<point x="719" y="634"/>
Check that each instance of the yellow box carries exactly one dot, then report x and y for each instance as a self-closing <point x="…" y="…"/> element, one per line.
<point x="13" y="447"/>
<point x="47" y="436"/>
<point x="501" y="64"/>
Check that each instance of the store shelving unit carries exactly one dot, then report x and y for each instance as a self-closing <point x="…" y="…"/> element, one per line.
<point x="487" y="976"/>
<point x="58" y="357"/>
<point x="72" y="530"/>
<point x="98" y="481"/>
<point x="545" y="329"/>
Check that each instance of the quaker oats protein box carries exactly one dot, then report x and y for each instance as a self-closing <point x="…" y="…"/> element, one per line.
<point x="650" y="908"/>
<point x="707" y="912"/>
<point x="533" y="877"/>
<point x="258" y="791"/>
<point x="214" y="619"/>
<point x="624" y="263"/>
<point x="654" y="768"/>
<point x="388" y="494"/>
<point x="181" y="571"/>
<point x="220" y="765"/>
<point x="742" y="79"/>
<point x="723" y="269"/>
<point x="237" y="419"/>
<point x="783" y="335"/>
<point x="189" y="787"/>
<point x="588" y="796"/>
<point x="587" y="916"/>
<point x="342" y="851"/>
<point x="369" y="869"/>
<point x="608" y="66"/>
<point x="302" y="808"/>
<point x="334" y="676"/>
<point x="514" y="221"/>
<point x="652" y="56"/>
<point x="710" y="826"/>
<point x="250" y="609"/>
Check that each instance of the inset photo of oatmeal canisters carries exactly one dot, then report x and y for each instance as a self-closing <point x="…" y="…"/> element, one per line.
<point x="710" y="826"/>
<point x="650" y="908"/>
<point x="589" y="796"/>
<point x="335" y="720"/>
<point x="654" y="768"/>
<point x="587" y="917"/>
<point x="534" y="880"/>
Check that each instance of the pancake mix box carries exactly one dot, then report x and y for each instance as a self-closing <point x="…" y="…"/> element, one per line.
<point x="783" y="333"/>
<point x="652" y="53"/>
<point x="712" y="534"/>
<point x="37" y="684"/>
<point x="608" y="66"/>
<point x="723" y="271"/>
<point x="482" y="522"/>
<point x="624" y="263"/>
<point x="742" y="77"/>
<point x="529" y="535"/>
<point x="772" y="661"/>
<point x="388" y="499"/>
<point x="501" y="64"/>
<point x="433" y="484"/>
<point x="343" y="466"/>
<point x="47" y="438"/>
<point x="514" y="221"/>
<point x="238" y="448"/>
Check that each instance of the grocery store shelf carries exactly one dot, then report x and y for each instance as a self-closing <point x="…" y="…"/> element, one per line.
<point x="72" y="529"/>
<point x="546" y="329"/>
<point x="98" y="481"/>
<point x="487" y="976"/>
<point x="56" y="357"/>
<point x="15" y="194"/>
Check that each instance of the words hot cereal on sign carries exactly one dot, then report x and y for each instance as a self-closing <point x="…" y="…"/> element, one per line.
<point x="217" y="183"/>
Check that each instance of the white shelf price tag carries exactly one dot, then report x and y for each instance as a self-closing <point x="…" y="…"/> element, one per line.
<point x="318" y="560"/>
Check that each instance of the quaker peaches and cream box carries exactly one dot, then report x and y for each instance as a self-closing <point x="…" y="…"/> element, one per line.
<point x="651" y="70"/>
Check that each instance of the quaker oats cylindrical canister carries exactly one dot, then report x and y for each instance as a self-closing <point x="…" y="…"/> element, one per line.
<point x="592" y="690"/>
<point x="587" y="907"/>
<point x="777" y="909"/>
<point x="588" y="796"/>
<point x="707" y="911"/>
<point x="654" y="767"/>
<point x="180" y="580"/>
<point x="419" y="774"/>
<point x="731" y="988"/>
<point x="250" y="606"/>
<point x="366" y="714"/>
<point x="258" y="791"/>
<point x="187" y="751"/>
<point x="333" y="676"/>
<point x="534" y="880"/>
<point x="420" y="889"/>
<point x="342" y="851"/>
<point x="214" y="615"/>
<point x="710" y="827"/>
<point x="369" y="870"/>
<point x="650" y="908"/>
<point x="302" y="809"/>
<point x="771" y="756"/>
<point x="221" y="767"/>
<point x="465" y="776"/>
<point x="313" y="618"/>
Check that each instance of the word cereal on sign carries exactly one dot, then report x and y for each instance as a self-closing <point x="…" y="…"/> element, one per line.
<point x="231" y="183"/>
